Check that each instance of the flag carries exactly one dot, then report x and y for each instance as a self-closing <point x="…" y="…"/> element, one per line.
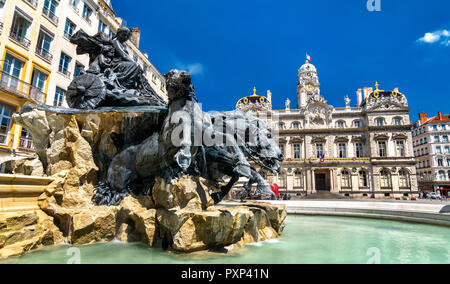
<point x="275" y="189"/>
<point x="308" y="57"/>
<point x="322" y="158"/>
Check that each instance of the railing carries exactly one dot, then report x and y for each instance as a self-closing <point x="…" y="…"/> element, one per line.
<point x="64" y="71"/>
<point x="44" y="54"/>
<point x="33" y="3"/>
<point x="20" y="87"/>
<point x="67" y="35"/>
<point x="26" y="143"/>
<point x="329" y="160"/>
<point x="4" y="139"/>
<point x="75" y="8"/>
<point x="20" y="39"/>
<point x="87" y="19"/>
<point x="50" y="15"/>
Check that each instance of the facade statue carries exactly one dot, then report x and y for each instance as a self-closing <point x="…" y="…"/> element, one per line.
<point x="114" y="78"/>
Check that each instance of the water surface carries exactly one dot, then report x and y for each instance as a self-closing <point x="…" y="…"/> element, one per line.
<point x="305" y="240"/>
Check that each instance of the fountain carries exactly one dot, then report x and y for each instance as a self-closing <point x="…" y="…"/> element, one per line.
<point x="128" y="166"/>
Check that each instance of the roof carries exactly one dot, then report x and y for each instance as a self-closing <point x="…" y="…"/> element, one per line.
<point x="436" y="119"/>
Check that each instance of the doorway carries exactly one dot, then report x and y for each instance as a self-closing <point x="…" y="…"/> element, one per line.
<point x="321" y="182"/>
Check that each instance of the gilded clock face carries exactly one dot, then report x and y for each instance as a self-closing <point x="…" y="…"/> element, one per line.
<point x="309" y="75"/>
<point x="309" y="87"/>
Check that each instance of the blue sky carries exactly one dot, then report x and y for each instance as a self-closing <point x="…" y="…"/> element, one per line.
<point x="232" y="45"/>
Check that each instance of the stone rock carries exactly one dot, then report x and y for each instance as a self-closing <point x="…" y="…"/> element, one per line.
<point x="23" y="231"/>
<point x="29" y="166"/>
<point x="189" y="230"/>
<point x="187" y="192"/>
<point x="137" y="222"/>
<point x="92" y="226"/>
<point x="276" y="213"/>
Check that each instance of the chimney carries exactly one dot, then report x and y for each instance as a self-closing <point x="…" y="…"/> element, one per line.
<point x="440" y="115"/>
<point x="423" y="118"/>
<point x="136" y="36"/>
<point x="359" y="97"/>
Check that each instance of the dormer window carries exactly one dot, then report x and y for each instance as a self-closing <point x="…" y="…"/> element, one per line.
<point x="380" y="122"/>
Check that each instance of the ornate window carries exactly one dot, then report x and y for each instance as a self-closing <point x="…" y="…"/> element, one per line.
<point x="442" y="175"/>
<point x="382" y="150"/>
<point x="297" y="153"/>
<point x="298" y="179"/>
<point x="282" y="149"/>
<point x="282" y="180"/>
<point x="398" y="121"/>
<point x="319" y="150"/>
<point x="386" y="179"/>
<point x="363" y="179"/>
<point x="357" y="124"/>
<point x="401" y="148"/>
<point x="359" y="150"/>
<point x="342" y="150"/>
<point x="341" y="124"/>
<point x="380" y="121"/>
<point x="404" y="180"/>
<point x="295" y="125"/>
<point x="346" y="179"/>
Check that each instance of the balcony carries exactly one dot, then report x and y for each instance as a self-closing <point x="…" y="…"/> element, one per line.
<point x="33" y="3"/>
<point x="5" y="139"/>
<point x="50" y="15"/>
<point x="23" y="41"/>
<point x="64" y="71"/>
<point x="21" y="88"/>
<point x="44" y="54"/>
<point x="26" y="143"/>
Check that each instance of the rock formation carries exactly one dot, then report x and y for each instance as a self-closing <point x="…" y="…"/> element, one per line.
<point x="75" y="149"/>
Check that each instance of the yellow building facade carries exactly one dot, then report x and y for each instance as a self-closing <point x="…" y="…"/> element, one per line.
<point x="25" y="68"/>
<point x="38" y="62"/>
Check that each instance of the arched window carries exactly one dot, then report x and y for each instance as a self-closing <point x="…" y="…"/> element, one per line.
<point x="442" y="175"/>
<point x="363" y="179"/>
<point x="357" y="124"/>
<point x="298" y="179"/>
<point x="397" y="121"/>
<point x="379" y="121"/>
<point x="386" y="180"/>
<point x="282" y="180"/>
<point x="346" y="179"/>
<point x="296" y="125"/>
<point x="404" y="181"/>
<point x="340" y="124"/>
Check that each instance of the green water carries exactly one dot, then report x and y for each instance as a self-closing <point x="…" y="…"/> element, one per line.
<point x="306" y="240"/>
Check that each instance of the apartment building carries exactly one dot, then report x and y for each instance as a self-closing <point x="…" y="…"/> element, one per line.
<point x="432" y="151"/>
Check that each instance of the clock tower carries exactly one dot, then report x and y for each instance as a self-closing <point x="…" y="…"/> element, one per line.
<point x="308" y="86"/>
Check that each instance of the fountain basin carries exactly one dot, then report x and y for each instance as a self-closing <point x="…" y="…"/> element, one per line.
<point x="306" y="239"/>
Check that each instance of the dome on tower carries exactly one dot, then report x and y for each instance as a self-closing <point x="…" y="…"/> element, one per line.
<point x="308" y="67"/>
<point x="254" y="103"/>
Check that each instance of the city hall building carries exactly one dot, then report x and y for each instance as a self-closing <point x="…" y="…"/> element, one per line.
<point x="361" y="151"/>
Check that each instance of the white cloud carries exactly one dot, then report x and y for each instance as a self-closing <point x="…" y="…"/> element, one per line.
<point x="194" y="68"/>
<point x="441" y="36"/>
